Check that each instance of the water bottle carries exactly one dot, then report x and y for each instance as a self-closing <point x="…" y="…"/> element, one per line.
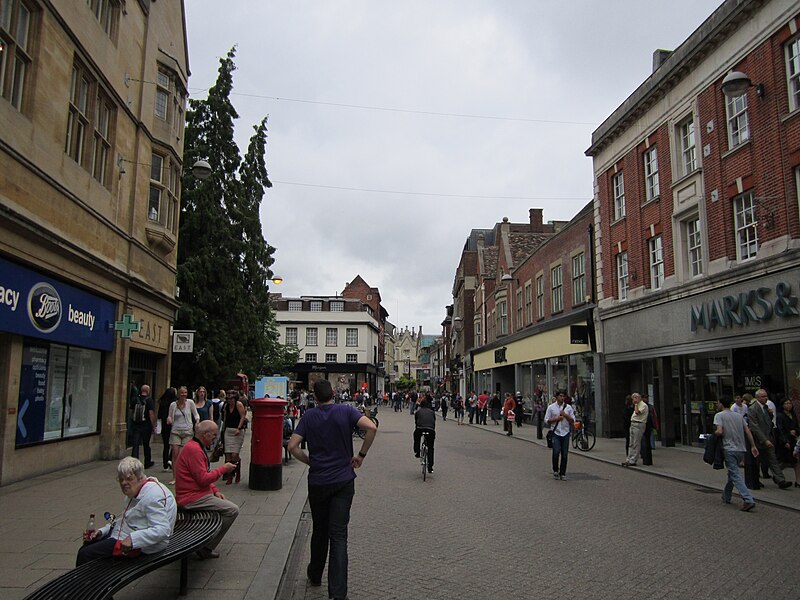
<point x="88" y="534"/>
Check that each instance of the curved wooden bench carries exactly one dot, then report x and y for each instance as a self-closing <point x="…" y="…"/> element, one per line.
<point x="99" y="579"/>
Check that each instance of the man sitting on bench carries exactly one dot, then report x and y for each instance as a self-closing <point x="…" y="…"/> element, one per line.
<point x="145" y="524"/>
<point x="194" y="483"/>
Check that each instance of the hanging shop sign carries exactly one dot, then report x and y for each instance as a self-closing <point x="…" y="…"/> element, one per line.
<point x="753" y="306"/>
<point x="34" y="305"/>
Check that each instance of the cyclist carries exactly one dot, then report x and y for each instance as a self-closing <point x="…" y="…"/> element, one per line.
<point x="425" y="420"/>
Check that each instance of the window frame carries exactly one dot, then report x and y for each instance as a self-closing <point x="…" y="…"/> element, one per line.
<point x="556" y="289"/>
<point x="502" y="317"/>
<point x="618" y="190"/>
<point x="748" y="227"/>
<point x="694" y="246"/>
<point x="16" y="59"/>
<point x="336" y="306"/>
<point x="295" y="306"/>
<point x="540" y="296"/>
<point x="519" y="308"/>
<point x="312" y="336"/>
<point x="655" y="253"/>
<point x="331" y="357"/>
<point x="311" y="357"/>
<point x="578" y="279"/>
<point x="351" y="337"/>
<point x="622" y="275"/>
<point x="792" y="62"/>
<point x="737" y="121"/>
<point x="652" y="188"/>
<point x="351" y="358"/>
<point x="528" y="302"/>
<point x="315" y="306"/>
<point x="687" y="142"/>
<point x="331" y="337"/>
<point x="291" y="334"/>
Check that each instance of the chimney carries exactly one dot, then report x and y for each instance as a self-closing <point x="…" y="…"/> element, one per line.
<point x="481" y="240"/>
<point x="660" y="57"/>
<point x="535" y="216"/>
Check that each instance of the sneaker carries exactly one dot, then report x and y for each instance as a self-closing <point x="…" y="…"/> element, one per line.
<point x="562" y="477"/>
<point x="416" y="454"/>
<point x="555" y="474"/>
<point x="726" y="500"/>
<point x="748" y="506"/>
<point x="430" y="469"/>
<point x="785" y="484"/>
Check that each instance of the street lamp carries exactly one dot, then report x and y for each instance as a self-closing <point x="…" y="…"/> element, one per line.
<point x="277" y="280"/>
<point x="737" y="83"/>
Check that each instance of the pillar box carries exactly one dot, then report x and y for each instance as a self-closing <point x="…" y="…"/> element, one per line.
<point x="266" y="450"/>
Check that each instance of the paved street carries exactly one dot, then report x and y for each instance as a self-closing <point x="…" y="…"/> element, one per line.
<point x="492" y="523"/>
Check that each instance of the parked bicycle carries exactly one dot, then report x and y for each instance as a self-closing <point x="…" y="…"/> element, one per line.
<point x="423" y="453"/>
<point x="583" y="437"/>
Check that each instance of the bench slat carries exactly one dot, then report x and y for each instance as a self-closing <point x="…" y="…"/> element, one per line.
<point x="99" y="579"/>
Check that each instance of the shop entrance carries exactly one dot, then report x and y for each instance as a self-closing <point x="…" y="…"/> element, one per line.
<point x="142" y="368"/>
<point x="706" y="378"/>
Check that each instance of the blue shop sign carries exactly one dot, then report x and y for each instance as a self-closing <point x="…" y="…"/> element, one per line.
<point x="34" y="305"/>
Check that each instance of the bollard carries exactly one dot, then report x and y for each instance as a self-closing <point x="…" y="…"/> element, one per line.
<point x="266" y="445"/>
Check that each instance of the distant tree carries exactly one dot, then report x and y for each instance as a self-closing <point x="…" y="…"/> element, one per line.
<point x="223" y="259"/>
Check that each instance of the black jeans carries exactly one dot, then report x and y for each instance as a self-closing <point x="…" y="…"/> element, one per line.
<point x="99" y="549"/>
<point x="431" y="442"/>
<point x="166" y="455"/>
<point x="330" y="512"/>
<point x="560" y="450"/>
<point x="141" y="435"/>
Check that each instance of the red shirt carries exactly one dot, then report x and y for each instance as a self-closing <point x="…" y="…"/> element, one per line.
<point x="483" y="400"/>
<point x="509" y="404"/>
<point x="193" y="480"/>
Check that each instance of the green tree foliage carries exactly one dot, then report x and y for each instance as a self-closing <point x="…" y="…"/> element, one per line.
<point x="223" y="260"/>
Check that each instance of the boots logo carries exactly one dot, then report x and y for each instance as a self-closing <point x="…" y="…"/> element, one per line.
<point x="44" y="307"/>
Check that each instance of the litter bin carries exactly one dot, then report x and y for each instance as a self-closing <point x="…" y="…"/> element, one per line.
<point x="266" y="444"/>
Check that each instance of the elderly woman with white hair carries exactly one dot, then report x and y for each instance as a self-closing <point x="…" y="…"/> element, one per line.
<point x="145" y="524"/>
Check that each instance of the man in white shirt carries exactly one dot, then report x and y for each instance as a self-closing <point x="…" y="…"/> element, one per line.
<point x="560" y="417"/>
<point x="638" y="425"/>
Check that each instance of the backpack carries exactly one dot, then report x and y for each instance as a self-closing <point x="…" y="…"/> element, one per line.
<point x="140" y="411"/>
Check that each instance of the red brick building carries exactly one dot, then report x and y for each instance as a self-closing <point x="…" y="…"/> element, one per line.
<point x="370" y="297"/>
<point x="698" y="222"/>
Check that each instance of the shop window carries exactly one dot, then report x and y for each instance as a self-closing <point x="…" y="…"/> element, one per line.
<point x="59" y="393"/>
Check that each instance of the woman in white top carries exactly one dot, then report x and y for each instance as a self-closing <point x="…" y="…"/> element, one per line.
<point x="182" y="417"/>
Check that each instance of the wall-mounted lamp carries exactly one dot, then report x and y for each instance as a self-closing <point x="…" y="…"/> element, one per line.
<point x="737" y="83"/>
<point x="506" y="278"/>
<point x="200" y="169"/>
<point x="277" y="280"/>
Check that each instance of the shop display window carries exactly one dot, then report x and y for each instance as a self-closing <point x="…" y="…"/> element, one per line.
<point x="59" y="393"/>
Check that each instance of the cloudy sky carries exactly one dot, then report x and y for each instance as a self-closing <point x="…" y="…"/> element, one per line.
<point x="397" y="127"/>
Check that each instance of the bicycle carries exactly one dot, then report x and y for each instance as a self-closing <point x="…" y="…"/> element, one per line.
<point x="423" y="454"/>
<point x="357" y="431"/>
<point x="583" y="438"/>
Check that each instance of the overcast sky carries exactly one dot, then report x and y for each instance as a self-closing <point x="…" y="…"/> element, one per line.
<point x="397" y="127"/>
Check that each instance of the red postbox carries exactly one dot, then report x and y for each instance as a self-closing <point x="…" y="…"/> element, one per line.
<point x="266" y="445"/>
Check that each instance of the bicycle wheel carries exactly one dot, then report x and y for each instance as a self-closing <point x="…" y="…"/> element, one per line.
<point x="576" y="436"/>
<point x="423" y="459"/>
<point x="588" y="440"/>
<point x="375" y="420"/>
<point x="360" y="432"/>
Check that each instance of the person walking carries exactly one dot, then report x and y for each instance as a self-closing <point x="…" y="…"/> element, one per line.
<point x="496" y="407"/>
<point x="144" y="423"/>
<point x="459" y="407"/>
<point x="444" y="405"/>
<point x="627" y="413"/>
<point x="203" y="405"/>
<point x="331" y="481"/>
<point x="508" y="414"/>
<point x="559" y="417"/>
<point x="761" y="425"/>
<point x="538" y="408"/>
<point x="166" y="400"/>
<point x="786" y="437"/>
<point x="482" y="408"/>
<point x="733" y="430"/>
<point x="638" y="425"/>
<point x="182" y="417"/>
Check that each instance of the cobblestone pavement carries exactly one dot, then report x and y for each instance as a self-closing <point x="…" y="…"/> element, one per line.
<point x="491" y="522"/>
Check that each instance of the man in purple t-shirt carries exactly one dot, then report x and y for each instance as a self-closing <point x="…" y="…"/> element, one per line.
<point x="327" y="430"/>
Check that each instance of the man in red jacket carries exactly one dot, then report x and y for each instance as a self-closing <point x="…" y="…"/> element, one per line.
<point x="194" y="483"/>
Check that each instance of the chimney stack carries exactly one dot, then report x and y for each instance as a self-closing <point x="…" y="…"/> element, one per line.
<point x="535" y="216"/>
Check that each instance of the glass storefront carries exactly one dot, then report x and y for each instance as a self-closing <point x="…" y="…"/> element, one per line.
<point x="59" y="393"/>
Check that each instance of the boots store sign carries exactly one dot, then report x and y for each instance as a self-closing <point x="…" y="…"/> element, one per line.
<point x="753" y="306"/>
<point x="42" y="307"/>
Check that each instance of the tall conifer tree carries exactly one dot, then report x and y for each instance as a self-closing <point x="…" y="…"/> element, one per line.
<point x="223" y="259"/>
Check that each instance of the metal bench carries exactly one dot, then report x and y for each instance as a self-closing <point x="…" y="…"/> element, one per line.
<point x="99" y="579"/>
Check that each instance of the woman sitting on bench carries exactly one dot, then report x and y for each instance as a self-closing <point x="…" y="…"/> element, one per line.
<point x="145" y="524"/>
